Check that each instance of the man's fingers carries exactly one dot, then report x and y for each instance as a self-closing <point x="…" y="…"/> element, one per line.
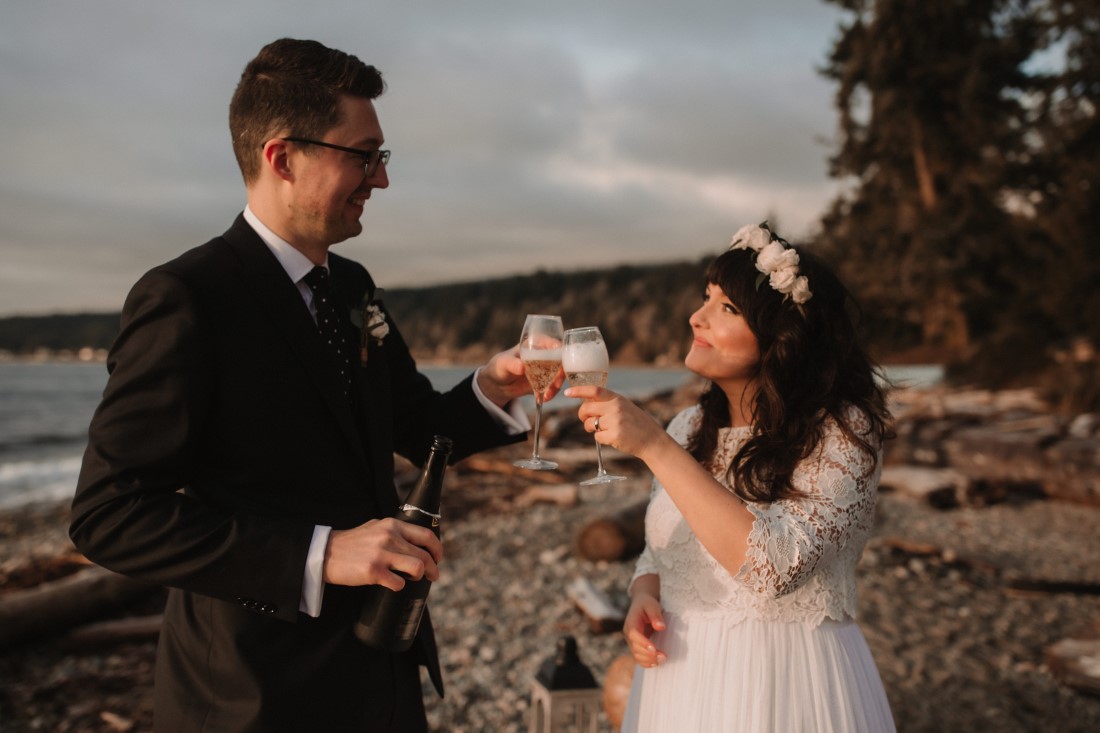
<point x="416" y="567"/>
<point x="373" y="553"/>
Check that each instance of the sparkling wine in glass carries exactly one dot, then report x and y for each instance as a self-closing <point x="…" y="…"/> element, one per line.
<point x="584" y="358"/>
<point x="540" y="350"/>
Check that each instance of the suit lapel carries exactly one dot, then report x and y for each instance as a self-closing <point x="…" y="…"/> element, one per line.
<point x="375" y="404"/>
<point x="266" y="282"/>
<point x="371" y="383"/>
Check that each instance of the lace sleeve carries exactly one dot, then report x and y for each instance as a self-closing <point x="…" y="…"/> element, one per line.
<point x="791" y="538"/>
<point x="680" y="428"/>
<point x="645" y="566"/>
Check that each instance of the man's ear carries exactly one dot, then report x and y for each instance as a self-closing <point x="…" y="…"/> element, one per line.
<point x="277" y="159"/>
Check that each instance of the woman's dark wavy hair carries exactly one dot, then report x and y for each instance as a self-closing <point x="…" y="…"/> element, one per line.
<point x="812" y="367"/>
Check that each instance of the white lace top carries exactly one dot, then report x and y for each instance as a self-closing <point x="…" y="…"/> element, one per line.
<point x="802" y="552"/>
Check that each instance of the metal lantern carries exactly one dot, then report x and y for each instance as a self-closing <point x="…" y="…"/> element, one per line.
<point x="564" y="696"/>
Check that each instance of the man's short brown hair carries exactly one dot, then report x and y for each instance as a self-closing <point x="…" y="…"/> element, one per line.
<point x="293" y="88"/>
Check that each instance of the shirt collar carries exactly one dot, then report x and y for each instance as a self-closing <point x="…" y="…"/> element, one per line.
<point x="296" y="264"/>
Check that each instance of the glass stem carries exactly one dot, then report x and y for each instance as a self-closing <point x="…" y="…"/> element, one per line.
<point x="538" y="425"/>
<point x="599" y="460"/>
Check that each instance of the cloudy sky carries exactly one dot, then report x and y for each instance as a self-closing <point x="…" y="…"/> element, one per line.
<point x="525" y="135"/>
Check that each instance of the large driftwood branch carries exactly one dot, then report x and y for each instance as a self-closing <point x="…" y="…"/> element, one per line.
<point x="1012" y="579"/>
<point x="115" y="631"/>
<point x="64" y="603"/>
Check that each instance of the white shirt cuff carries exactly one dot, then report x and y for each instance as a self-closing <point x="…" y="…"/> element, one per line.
<point x="313" y="584"/>
<point x="514" y="420"/>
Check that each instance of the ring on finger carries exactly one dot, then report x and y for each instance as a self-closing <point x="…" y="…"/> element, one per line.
<point x="596" y="425"/>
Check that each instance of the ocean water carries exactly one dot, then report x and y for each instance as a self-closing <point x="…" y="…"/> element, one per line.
<point x="45" y="409"/>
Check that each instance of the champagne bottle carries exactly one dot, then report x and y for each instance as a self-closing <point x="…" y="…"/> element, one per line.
<point x="389" y="619"/>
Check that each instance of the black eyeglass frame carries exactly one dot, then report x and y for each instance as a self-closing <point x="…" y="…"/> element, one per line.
<point x="372" y="159"/>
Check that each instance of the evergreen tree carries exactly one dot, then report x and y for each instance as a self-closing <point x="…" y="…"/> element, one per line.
<point x="1065" y="196"/>
<point x="969" y="131"/>
<point x="926" y="135"/>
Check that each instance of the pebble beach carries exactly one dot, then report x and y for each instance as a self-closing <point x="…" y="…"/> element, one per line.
<point x="948" y="603"/>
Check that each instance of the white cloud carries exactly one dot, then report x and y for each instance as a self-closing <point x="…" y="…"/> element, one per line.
<point x="525" y="134"/>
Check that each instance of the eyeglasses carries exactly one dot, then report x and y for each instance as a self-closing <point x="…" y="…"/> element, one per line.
<point x="372" y="159"/>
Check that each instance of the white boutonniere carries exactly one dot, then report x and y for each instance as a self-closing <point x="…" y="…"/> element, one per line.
<point x="371" y="321"/>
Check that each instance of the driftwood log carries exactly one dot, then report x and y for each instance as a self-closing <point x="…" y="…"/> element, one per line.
<point x="615" y="537"/>
<point x="1076" y="662"/>
<point x="488" y="464"/>
<point x="64" y="603"/>
<point x="938" y="487"/>
<point x="563" y="495"/>
<point x="616" y="688"/>
<point x="602" y="614"/>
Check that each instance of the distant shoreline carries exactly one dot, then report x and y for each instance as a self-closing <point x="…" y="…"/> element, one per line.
<point x="88" y="355"/>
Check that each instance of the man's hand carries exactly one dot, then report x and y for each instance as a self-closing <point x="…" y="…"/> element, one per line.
<point x="372" y="553"/>
<point x="503" y="379"/>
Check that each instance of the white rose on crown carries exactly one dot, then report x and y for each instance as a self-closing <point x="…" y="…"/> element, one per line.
<point x="776" y="257"/>
<point x="800" y="291"/>
<point x="776" y="261"/>
<point x="751" y="237"/>
<point x="783" y="280"/>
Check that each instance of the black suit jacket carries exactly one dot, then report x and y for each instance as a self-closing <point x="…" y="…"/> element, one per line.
<point x="222" y="439"/>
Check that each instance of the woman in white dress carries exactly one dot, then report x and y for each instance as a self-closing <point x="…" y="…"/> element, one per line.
<point x="743" y="603"/>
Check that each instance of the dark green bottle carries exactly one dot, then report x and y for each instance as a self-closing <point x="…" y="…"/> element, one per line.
<point x="390" y="619"/>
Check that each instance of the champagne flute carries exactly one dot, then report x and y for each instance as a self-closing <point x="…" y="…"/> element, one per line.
<point x="584" y="357"/>
<point x="540" y="350"/>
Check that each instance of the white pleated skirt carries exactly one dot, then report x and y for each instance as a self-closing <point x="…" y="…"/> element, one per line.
<point x="759" y="677"/>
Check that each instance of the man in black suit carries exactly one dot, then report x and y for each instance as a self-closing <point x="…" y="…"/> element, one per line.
<point x="236" y="459"/>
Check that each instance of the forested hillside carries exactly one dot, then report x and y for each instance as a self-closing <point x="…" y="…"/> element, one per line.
<point x="642" y="311"/>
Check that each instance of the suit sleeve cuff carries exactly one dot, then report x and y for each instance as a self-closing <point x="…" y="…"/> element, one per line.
<point x="513" y="420"/>
<point x="313" y="584"/>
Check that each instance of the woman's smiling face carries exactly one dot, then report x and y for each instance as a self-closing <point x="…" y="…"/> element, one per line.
<point x="724" y="348"/>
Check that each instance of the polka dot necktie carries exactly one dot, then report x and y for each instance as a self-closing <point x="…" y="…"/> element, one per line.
<point x="331" y="324"/>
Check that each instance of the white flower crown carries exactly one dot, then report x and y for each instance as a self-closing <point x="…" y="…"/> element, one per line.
<point x="775" y="260"/>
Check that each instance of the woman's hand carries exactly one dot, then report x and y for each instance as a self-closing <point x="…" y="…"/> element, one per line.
<point x="618" y="422"/>
<point x="643" y="620"/>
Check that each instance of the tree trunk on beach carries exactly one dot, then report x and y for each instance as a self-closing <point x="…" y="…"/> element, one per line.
<point x="62" y="604"/>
